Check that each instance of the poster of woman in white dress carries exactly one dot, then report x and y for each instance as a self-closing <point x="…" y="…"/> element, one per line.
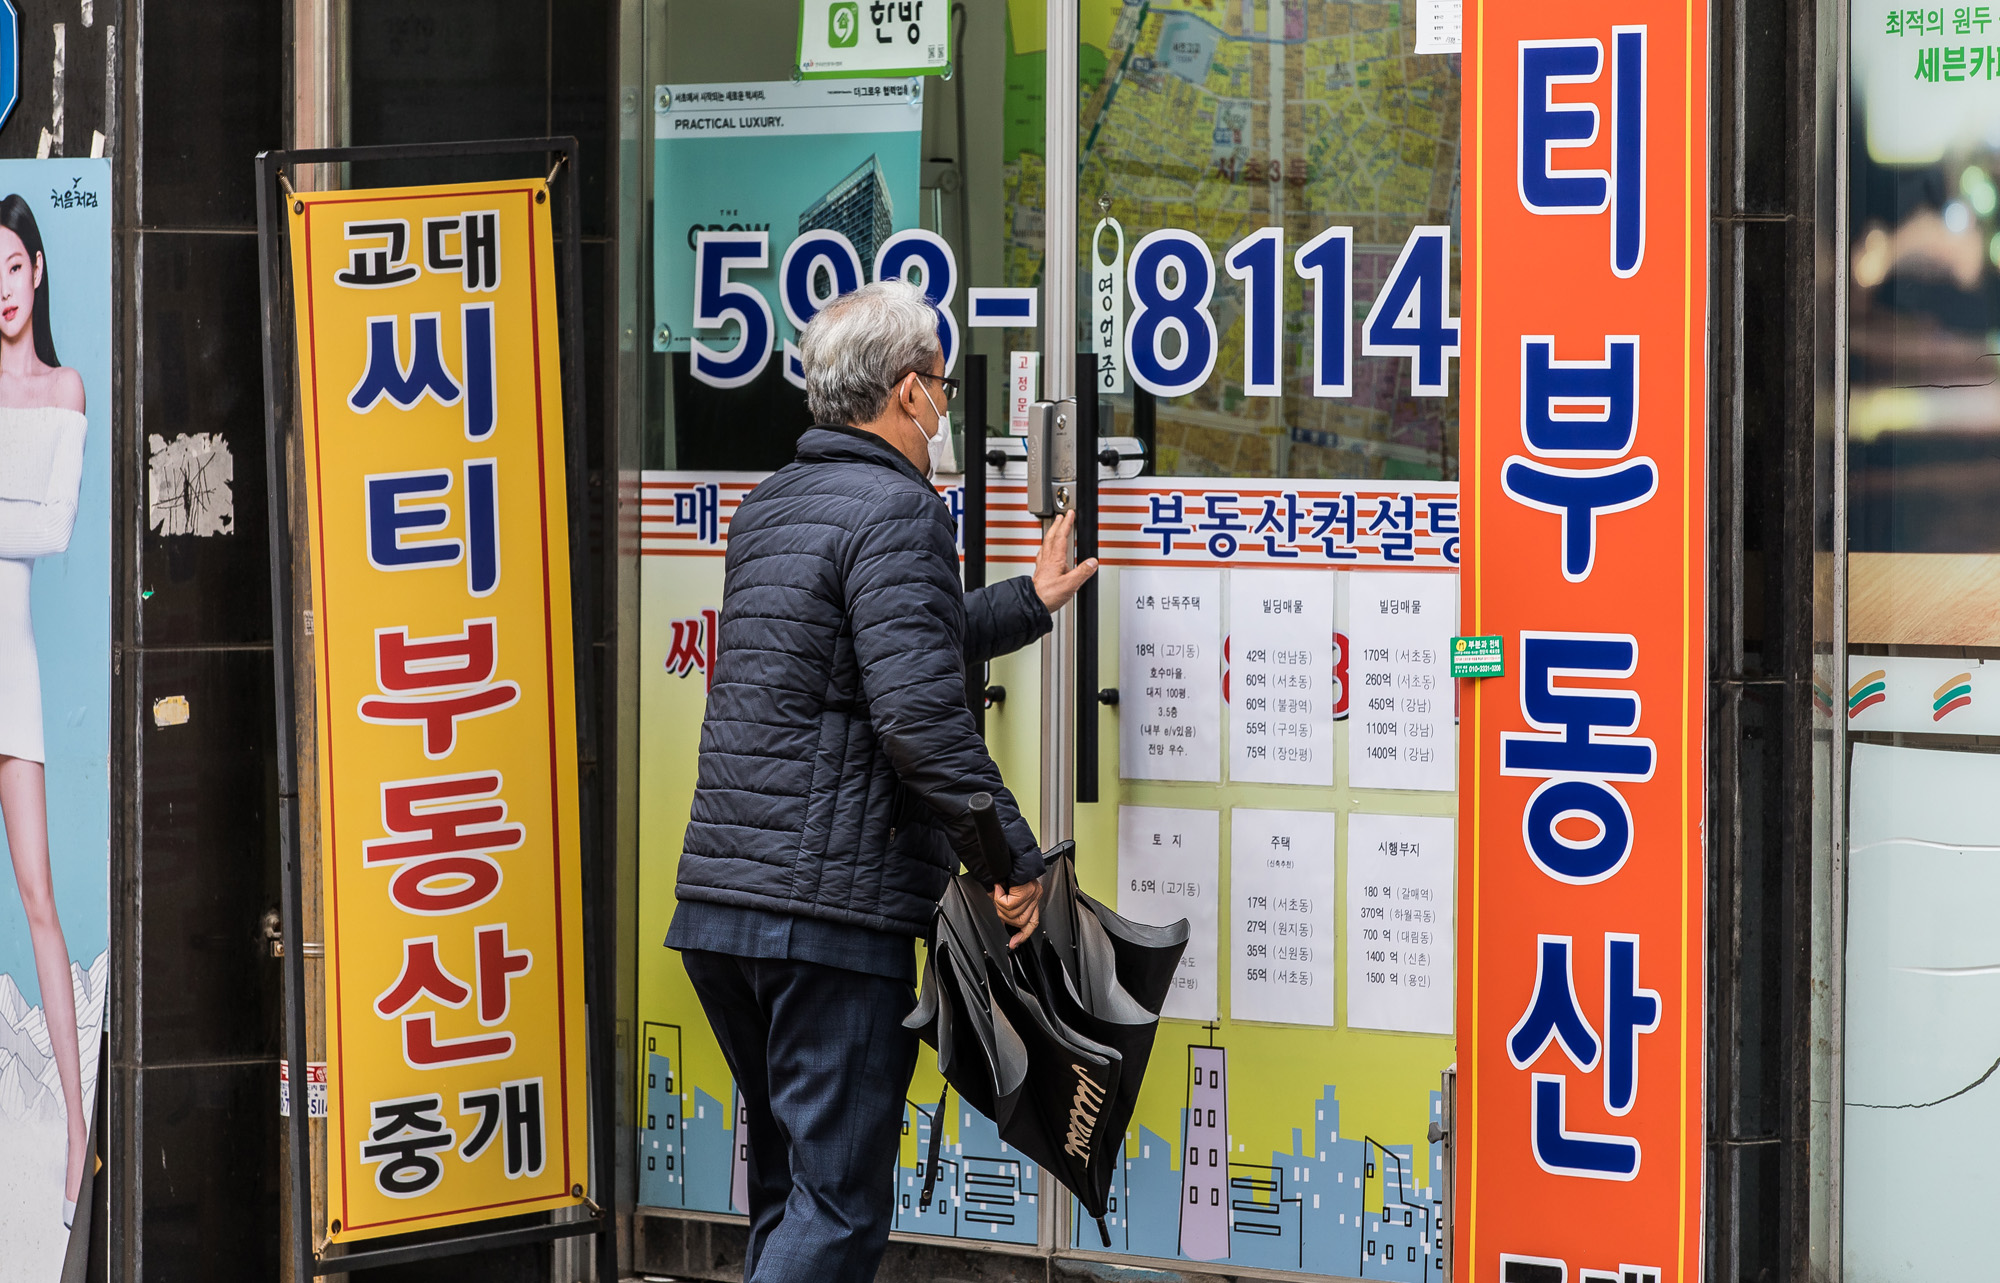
<point x="55" y="689"/>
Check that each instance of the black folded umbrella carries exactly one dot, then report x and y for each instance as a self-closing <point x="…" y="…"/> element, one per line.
<point x="1115" y="976"/>
<point x="1050" y="1040"/>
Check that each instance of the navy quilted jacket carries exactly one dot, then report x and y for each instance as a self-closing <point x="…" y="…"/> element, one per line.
<point x="838" y="750"/>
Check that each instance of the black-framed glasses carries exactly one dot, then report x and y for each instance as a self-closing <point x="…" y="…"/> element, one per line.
<point x="951" y="385"/>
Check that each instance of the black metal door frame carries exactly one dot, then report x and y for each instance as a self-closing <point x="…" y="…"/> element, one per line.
<point x="599" y="881"/>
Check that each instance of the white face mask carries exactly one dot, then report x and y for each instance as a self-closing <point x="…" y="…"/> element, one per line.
<point x="942" y="458"/>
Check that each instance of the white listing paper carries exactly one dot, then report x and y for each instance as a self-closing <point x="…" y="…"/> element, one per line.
<point x="1281" y="890"/>
<point x="1169" y="861"/>
<point x="1440" y="26"/>
<point x="1170" y="675"/>
<point x="1400" y="707"/>
<point x="1399" y="923"/>
<point x="1281" y="692"/>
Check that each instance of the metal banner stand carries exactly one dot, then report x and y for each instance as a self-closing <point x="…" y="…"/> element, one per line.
<point x="280" y="363"/>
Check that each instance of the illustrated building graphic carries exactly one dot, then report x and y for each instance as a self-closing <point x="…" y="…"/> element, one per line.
<point x="1328" y="1203"/>
<point x="857" y="207"/>
<point x="1205" y="1166"/>
<point x="662" y="1179"/>
<point x="986" y="1189"/>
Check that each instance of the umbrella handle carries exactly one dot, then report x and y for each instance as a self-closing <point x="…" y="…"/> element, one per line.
<point x="993" y="851"/>
<point x="937" y="1140"/>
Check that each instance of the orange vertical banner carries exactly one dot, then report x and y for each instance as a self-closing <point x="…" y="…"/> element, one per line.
<point x="1582" y="938"/>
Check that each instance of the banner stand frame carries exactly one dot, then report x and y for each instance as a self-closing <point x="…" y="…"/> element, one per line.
<point x="280" y="363"/>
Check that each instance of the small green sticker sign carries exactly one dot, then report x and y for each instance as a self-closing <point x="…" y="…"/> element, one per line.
<point x="874" y="39"/>
<point x="1477" y="657"/>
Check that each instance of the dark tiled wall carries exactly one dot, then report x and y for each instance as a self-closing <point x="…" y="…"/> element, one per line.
<point x="1762" y="486"/>
<point x="203" y="1010"/>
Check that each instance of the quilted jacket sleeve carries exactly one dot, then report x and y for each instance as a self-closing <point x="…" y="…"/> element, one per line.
<point x="904" y="610"/>
<point x="1001" y="618"/>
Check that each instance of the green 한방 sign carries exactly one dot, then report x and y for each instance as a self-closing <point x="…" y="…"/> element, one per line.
<point x="1477" y="657"/>
<point x="874" y="38"/>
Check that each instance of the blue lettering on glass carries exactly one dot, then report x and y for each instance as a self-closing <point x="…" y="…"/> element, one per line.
<point x="1223" y="522"/>
<point x="1181" y="310"/>
<point x="954" y="499"/>
<point x="700" y="506"/>
<point x="1254" y="261"/>
<point x="1548" y="126"/>
<point x="1171" y="279"/>
<point x="482" y="387"/>
<point x="1409" y="316"/>
<point x="719" y="300"/>
<point x="1169" y="518"/>
<point x="1444" y="521"/>
<point x="1329" y="513"/>
<point x="1280" y="531"/>
<point x="1628" y="1012"/>
<point x="1396" y="523"/>
<point x="818" y="254"/>
<point x="1580" y="496"/>
<point x="1327" y="260"/>
<point x="386" y="375"/>
<point x="1579" y="409"/>
<point x="482" y="526"/>
<point x="926" y="257"/>
<point x="393" y="516"/>
<point x="1001" y="307"/>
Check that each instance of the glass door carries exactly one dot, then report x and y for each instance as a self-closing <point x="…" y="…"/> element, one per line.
<point x="746" y="163"/>
<point x="1266" y="213"/>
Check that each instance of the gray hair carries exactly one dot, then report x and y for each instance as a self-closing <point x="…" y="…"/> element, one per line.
<point x="861" y="345"/>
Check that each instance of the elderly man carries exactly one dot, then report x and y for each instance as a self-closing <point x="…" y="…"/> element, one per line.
<point x="836" y="760"/>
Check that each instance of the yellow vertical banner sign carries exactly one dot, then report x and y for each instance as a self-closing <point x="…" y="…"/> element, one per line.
<point x="430" y="383"/>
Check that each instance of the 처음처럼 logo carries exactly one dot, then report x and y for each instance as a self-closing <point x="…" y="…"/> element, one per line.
<point x="1956" y="693"/>
<point x="1871" y="690"/>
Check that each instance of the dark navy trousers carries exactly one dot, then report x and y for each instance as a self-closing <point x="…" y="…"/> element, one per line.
<point x="824" y="1063"/>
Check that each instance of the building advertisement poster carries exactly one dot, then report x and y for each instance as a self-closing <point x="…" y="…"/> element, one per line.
<point x="1308" y="1124"/>
<point x="429" y="376"/>
<point x="741" y="172"/>
<point x="1581" y="863"/>
<point x="55" y="693"/>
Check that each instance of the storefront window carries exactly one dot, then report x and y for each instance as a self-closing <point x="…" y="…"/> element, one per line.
<point x="1226" y="120"/>
<point x="1922" y="967"/>
<point x="1266" y="245"/>
<point x="947" y="161"/>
